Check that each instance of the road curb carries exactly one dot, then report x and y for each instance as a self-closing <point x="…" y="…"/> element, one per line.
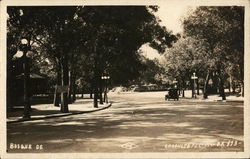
<point x="59" y="115"/>
<point x="236" y="101"/>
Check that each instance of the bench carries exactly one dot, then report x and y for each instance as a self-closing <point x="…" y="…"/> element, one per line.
<point x="172" y="94"/>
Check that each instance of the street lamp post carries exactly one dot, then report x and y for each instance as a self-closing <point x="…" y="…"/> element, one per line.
<point x="24" y="47"/>
<point x="175" y="83"/>
<point x="106" y="78"/>
<point x="194" y="77"/>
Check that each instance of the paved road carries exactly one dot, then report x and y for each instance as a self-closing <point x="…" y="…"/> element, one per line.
<point x="138" y="122"/>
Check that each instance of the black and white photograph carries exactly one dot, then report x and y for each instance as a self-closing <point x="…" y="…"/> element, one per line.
<point x="142" y="80"/>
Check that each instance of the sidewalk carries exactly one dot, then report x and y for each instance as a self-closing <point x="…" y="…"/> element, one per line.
<point x="217" y="98"/>
<point x="45" y="111"/>
<point x="230" y="98"/>
<point x="188" y="96"/>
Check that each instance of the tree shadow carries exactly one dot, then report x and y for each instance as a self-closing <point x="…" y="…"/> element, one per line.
<point x="150" y="125"/>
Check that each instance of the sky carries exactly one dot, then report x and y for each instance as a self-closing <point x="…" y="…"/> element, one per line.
<point x="170" y="15"/>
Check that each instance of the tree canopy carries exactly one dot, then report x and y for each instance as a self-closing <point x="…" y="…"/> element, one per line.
<point x="223" y="30"/>
<point x="212" y="44"/>
<point x="86" y="42"/>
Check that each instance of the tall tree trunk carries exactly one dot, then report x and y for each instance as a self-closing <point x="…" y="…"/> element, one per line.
<point x="183" y="88"/>
<point x="206" y="85"/>
<point x="230" y="83"/>
<point x="233" y="86"/>
<point x="221" y="85"/>
<point x="242" y="88"/>
<point x="65" y="82"/>
<point x="91" y="91"/>
<point x="95" y="94"/>
<point x="9" y="86"/>
<point x="70" y="87"/>
<point x="179" y="89"/>
<point x="192" y="87"/>
<point x="242" y="76"/>
<point x="96" y="72"/>
<point x="59" y="79"/>
<point x="215" y="82"/>
<point x="74" y="86"/>
<point x="100" y="90"/>
<point x="104" y="94"/>
<point x="95" y="86"/>
<point x="55" y="100"/>
<point x="198" y="87"/>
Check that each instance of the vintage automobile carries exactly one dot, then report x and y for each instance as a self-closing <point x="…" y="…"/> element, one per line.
<point x="172" y="94"/>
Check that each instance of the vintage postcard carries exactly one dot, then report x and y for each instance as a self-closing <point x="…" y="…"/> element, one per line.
<point x="125" y="79"/>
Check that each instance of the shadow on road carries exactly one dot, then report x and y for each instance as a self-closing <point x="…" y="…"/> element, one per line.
<point x="150" y="124"/>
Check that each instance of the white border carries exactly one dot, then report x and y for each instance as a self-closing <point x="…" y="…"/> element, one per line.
<point x="6" y="3"/>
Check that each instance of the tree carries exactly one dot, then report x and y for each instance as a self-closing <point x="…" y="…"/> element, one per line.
<point x="150" y="73"/>
<point x="187" y="55"/>
<point x="50" y="32"/>
<point x="117" y="33"/>
<point x="222" y="28"/>
<point x="103" y="39"/>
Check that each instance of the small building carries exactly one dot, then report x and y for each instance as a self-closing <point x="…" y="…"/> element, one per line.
<point x="37" y="83"/>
